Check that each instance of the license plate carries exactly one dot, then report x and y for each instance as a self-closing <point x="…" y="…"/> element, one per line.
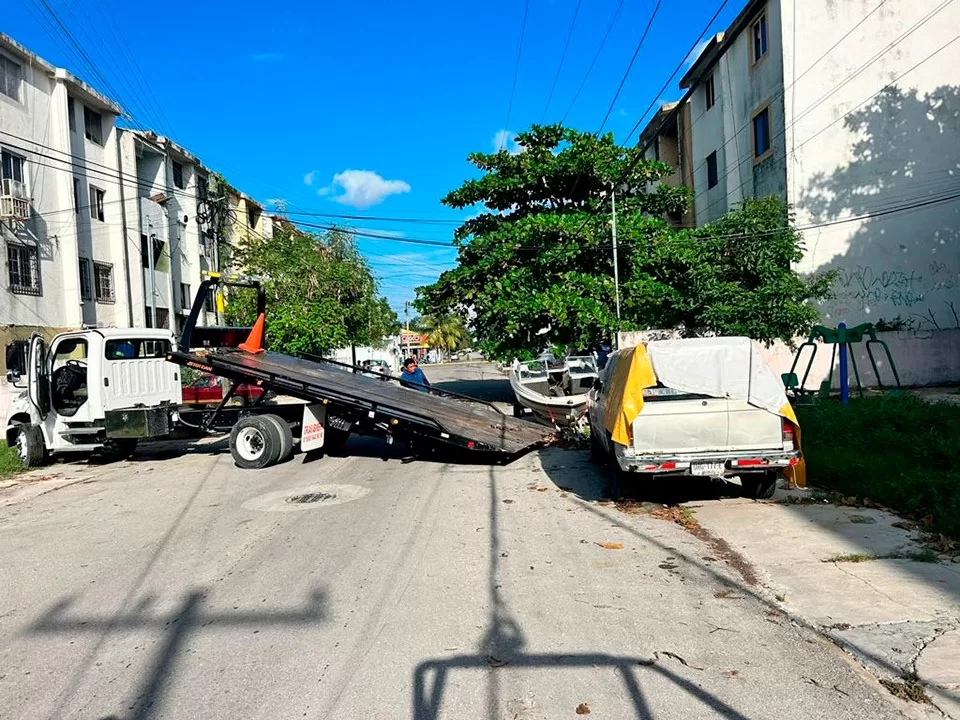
<point x="712" y="469"/>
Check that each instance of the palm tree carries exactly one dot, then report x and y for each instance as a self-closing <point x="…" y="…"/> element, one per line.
<point x="445" y="332"/>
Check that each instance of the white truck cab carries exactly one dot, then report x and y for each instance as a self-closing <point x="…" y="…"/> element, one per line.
<point x="93" y="390"/>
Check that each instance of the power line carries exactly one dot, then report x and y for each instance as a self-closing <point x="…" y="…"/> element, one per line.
<point x="603" y="42"/>
<point x="516" y="73"/>
<point x="633" y="59"/>
<point x="563" y="56"/>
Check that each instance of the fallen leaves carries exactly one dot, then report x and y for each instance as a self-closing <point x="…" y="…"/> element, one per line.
<point x="727" y="594"/>
<point x="611" y="545"/>
<point x="583" y="709"/>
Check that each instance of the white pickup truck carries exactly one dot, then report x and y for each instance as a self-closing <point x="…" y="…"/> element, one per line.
<point x="93" y="390"/>
<point x="702" y="417"/>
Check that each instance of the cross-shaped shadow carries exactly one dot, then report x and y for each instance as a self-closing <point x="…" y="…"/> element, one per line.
<point x="188" y="617"/>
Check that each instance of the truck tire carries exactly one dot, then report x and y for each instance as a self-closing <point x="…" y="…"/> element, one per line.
<point x="286" y="435"/>
<point x="30" y="446"/>
<point x="760" y="486"/>
<point x="255" y="443"/>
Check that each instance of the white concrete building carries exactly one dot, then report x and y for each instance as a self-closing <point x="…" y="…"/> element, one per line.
<point x="60" y="211"/>
<point x="847" y="110"/>
<point x="82" y="201"/>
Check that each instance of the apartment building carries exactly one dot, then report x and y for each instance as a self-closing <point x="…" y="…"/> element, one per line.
<point x="100" y="225"/>
<point x="60" y="203"/>
<point x="848" y="112"/>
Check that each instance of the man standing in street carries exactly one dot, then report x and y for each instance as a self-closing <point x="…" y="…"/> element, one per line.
<point x="413" y="377"/>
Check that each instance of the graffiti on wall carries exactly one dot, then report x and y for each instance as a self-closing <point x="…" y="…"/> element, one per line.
<point x="927" y="299"/>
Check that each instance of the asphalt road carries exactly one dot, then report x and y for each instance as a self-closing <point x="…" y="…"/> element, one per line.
<point x="177" y="586"/>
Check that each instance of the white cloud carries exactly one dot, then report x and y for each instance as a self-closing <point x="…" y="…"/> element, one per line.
<point x="308" y="178"/>
<point x="506" y="140"/>
<point x="267" y="57"/>
<point x="362" y="188"/>
<point x="695" y="53"/>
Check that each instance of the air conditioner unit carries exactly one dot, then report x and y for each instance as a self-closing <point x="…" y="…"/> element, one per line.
<point x="14" y="202"/>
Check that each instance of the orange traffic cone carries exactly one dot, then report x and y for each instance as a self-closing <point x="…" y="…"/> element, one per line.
<point x="254" y="341"/>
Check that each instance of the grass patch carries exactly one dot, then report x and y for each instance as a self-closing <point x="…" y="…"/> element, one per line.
<point x="898" y="451"/>
<point x="907" y="688"/>
<point x="924" y="555"/>
<point x="9" y="460"/>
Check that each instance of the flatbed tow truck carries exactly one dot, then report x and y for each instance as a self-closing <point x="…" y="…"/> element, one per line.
<point x="337" y="400"/>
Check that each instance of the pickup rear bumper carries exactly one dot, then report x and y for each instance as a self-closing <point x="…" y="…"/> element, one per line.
<point x="724" y="464"/>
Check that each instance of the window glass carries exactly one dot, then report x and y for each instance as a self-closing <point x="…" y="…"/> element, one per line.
<point x="135" y="348"/>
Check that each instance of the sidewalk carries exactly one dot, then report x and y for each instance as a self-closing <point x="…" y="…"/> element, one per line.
<point x="862" y="580"/>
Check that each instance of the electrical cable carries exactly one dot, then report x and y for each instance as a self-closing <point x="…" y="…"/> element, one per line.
<point x="563" y="56"/>
<point x="516" y="73"/>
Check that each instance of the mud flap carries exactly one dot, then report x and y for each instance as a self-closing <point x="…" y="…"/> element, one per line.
<point x="312" y="432"/>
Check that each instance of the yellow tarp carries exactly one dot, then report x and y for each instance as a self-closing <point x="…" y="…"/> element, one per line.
<point x="632" y="372"/>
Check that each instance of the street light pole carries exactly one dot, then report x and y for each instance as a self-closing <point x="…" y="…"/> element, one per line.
<point x="616" y="265"/>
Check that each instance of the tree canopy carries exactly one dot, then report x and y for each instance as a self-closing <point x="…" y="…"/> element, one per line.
<point x="536" y="269"/>
<point x="321" y="294"/>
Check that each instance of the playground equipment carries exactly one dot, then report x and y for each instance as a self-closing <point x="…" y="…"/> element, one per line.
<point x="842" y="339"/>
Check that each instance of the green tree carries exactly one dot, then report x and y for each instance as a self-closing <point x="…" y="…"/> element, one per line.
<point x="536" y="269"/>
<point x="445" y="332"/>
<point x="320" y="292"/>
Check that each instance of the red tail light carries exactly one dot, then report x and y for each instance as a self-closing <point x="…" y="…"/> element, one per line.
<point x="788" y="437"/>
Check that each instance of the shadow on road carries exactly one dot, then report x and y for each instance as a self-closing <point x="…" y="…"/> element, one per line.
<point x="503" y="650"/>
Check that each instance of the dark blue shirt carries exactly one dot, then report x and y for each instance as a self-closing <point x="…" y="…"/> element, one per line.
<point x="408" y="378"/>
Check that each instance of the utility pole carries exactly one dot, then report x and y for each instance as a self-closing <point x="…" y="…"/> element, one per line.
<point x="406" y="316"/>
<point x="616" y="265"/>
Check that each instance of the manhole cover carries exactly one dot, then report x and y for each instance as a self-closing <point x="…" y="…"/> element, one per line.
<point x="311" y="497"/>
<point x="307" y="498"/>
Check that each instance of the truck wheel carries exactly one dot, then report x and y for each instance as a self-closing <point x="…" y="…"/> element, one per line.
<point x="255" y="443"/>
<point x="286" y="435"/>
<point x="30" y="446"/>
<point x="759" y="486"/>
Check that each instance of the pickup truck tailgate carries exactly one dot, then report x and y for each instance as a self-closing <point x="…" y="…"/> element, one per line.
<point x="704" y="424"/>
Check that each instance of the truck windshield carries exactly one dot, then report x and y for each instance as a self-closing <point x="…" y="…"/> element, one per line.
<point x="135" y="348"/>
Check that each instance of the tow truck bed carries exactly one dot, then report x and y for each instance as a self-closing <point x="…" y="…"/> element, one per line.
<point x="470" y="425"/>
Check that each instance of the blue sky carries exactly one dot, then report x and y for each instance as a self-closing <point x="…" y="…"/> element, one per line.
<point x="366" y="108"/>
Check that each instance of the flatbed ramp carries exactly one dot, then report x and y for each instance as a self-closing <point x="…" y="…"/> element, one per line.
<point x="476" y="421"/>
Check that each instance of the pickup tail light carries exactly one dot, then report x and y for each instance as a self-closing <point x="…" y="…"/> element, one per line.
<point x="789" y="441"/>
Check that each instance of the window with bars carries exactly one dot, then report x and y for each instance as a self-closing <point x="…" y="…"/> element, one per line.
<point x="85" y="287"/>
<point x="103" y="282"/>
<point x="92" y="125"/>
<point x="11" y="75"/>
<point x="23" y="269"/>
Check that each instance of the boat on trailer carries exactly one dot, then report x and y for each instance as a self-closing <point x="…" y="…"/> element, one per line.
<point x="554" y="391"/>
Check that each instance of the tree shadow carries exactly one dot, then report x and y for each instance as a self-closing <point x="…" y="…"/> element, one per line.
<point x="901" y="263"/>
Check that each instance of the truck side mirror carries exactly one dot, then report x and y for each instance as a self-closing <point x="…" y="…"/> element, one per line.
<point x="13" y="377"/>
